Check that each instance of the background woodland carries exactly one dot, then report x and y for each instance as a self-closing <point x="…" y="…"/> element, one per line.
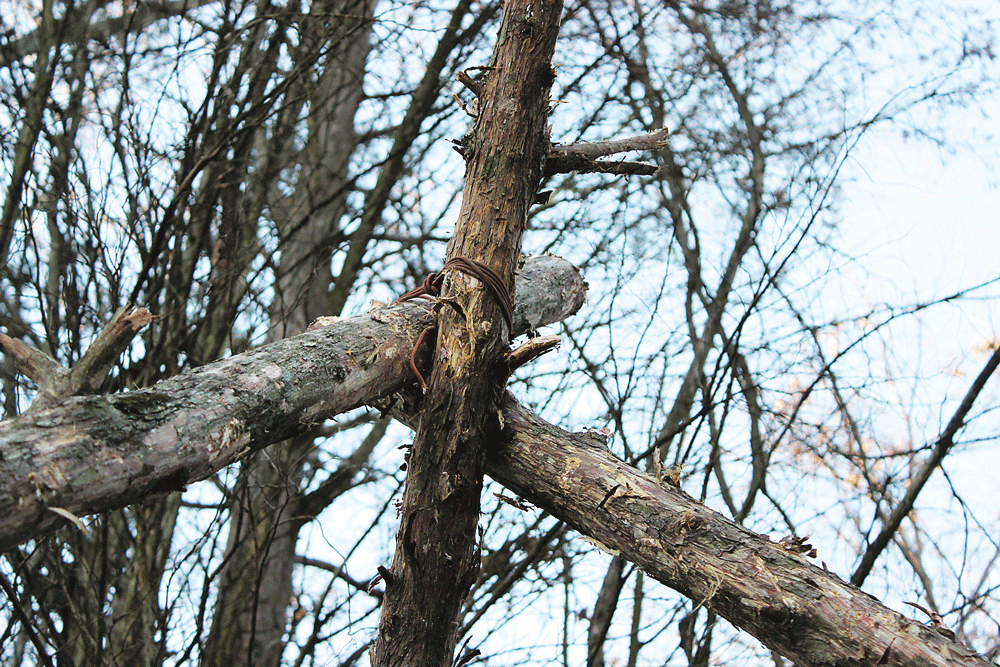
<point x="241" y="168"/>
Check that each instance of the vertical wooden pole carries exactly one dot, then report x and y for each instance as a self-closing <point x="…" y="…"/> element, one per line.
<point x="437" y="556"/>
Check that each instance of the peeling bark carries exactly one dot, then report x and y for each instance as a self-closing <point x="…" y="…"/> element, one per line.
<point x="436" y="560"/>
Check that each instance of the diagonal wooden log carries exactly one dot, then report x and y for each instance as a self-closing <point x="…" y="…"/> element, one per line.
<point x="795" y="608"/>
<point x="801" y="611"/>
<point x="87" y="454"/>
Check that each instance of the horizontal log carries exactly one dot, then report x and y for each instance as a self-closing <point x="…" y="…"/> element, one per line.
<point x="86" y="454"/>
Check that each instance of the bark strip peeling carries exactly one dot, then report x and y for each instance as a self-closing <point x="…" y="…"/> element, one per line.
<point x="88" y="454"/>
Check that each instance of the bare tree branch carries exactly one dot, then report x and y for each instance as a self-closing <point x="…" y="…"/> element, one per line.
<point x="131" y="445"/>
<point x="75" y="29"/>
<point x="941" y="448"/>
<point x="55" y="382"/>
<point x="795" y="608"/>
<point x="583" y="156"/>
<point x="436" y="560"/>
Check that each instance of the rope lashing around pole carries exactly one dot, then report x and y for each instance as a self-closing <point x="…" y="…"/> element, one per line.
<point x="432" y="287"/>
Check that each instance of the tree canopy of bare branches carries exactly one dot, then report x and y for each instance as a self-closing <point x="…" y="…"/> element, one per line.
<point x="227" y="441"/>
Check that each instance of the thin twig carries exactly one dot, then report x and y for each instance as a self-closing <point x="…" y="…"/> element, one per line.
<point x="8" y="589"/>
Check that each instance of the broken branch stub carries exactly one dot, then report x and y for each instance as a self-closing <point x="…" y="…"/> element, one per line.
<point x="583" y="156"/>
<point x="55" y="382"/>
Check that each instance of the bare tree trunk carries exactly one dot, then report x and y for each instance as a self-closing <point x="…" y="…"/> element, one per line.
<point x="604" y="611"/>
<point x="634" y="645"/>
<point x="139" y="623"/>
<point x="437" y="554"/>
<point x="255" y="586"/>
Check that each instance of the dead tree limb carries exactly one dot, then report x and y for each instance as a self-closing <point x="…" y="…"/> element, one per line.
<point x="795" y="608"/>
<point x="583" y="156"/>
<point x="87" y="454"/>
<point x="940" y="449"/>
<point x="55" y="382"/>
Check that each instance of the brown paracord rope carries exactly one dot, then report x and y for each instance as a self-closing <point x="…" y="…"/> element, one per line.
<point x="432" y="287"/>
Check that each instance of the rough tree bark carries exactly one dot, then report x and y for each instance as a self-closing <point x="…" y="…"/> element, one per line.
<point x="87" y="454"/>
<point x="437" y="556"/>
<point x="797" y="609"/>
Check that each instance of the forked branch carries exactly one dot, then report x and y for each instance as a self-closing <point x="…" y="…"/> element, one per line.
<point x="55" y="382"/>
<point x="583" y="156"/>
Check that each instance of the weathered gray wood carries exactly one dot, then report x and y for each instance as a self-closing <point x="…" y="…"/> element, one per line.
<point x="91" y="453"/>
